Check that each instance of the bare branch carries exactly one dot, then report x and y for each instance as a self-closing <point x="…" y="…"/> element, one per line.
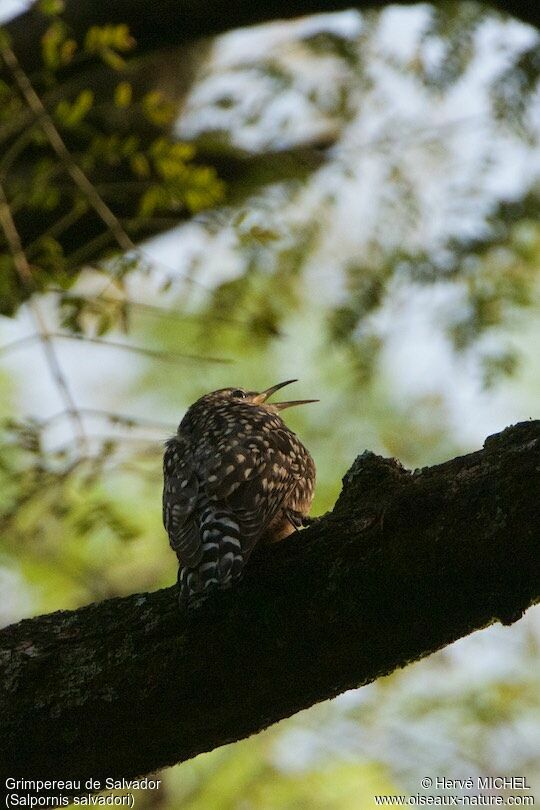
<point x="10" y="231"/>
<point x="25" y="272"/>
<point x="115" y="418"/>
<point x="158" y="354"/>
<point x="154" y="309"/>
<point x="55" y="139"/>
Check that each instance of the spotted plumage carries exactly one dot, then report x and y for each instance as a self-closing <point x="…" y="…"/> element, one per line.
<point x="234" y="475"/>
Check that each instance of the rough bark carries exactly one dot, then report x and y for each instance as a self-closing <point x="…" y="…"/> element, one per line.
<point x="406" y="563"/>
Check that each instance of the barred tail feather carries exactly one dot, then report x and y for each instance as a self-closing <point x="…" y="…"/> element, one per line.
<point x="221" y="560"/>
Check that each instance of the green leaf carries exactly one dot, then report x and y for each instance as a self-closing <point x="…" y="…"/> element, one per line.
<point x="123" y="95"/>
<point x="113" y="59"/>
<point x="51" y="7"/>
<point x="158" y="109"/>
<point x="71" y="114"/>
<point x="52" y="42"/>
<point x="108" y="38"/>
<point x="5" y="40"/>
<point x="140" y="165"/>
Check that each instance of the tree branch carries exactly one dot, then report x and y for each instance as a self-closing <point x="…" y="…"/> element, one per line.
<point x="405" y="564"/>
<point x="160" y="23"/>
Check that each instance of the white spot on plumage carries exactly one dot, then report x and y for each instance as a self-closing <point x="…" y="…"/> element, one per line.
<point x="231" y="524"/>
<point x="207" y="567"/>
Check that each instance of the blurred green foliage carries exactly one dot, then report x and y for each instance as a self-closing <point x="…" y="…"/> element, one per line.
<point x="117" y="134"/>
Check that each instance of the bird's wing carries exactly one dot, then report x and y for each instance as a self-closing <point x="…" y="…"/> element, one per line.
<point x="180" y="493"/>
<point x="253" y="479"/>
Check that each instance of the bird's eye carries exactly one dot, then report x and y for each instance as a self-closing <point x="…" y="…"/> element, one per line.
<point x="238" y="393"/>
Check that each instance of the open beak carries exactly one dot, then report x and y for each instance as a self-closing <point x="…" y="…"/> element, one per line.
<point x="264" y="395"/>
<point x="282" y="405"/>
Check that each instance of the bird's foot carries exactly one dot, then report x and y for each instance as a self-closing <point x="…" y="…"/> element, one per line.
<point x="311" y="521"/>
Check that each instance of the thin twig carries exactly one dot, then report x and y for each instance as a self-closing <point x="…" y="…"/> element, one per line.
<point x="159" y="354"/>
<point x="98" y="243"/>
<point x="25" y="273"/>
<point x="58" y="375"/>
<point x="104" y="439"/>
<point x="97" y="202"/>
<point x="15" y="245"/>
<point x="154" y="309"/>
<point x="12" y="153"/>
<point x="114" y="227"/>
<point x="120" y="419"/>
<point x="45" y="121"/>
<point x="55" y="139"/>
<point x="62" y="224"/>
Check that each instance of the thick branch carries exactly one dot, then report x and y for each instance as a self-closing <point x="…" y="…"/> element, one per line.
<point x="405" y="563"/>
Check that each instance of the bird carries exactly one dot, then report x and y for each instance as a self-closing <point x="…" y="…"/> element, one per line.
<point x="234" y="476"/>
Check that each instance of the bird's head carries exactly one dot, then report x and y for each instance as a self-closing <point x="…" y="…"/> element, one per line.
<point x="259" y="398"/>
